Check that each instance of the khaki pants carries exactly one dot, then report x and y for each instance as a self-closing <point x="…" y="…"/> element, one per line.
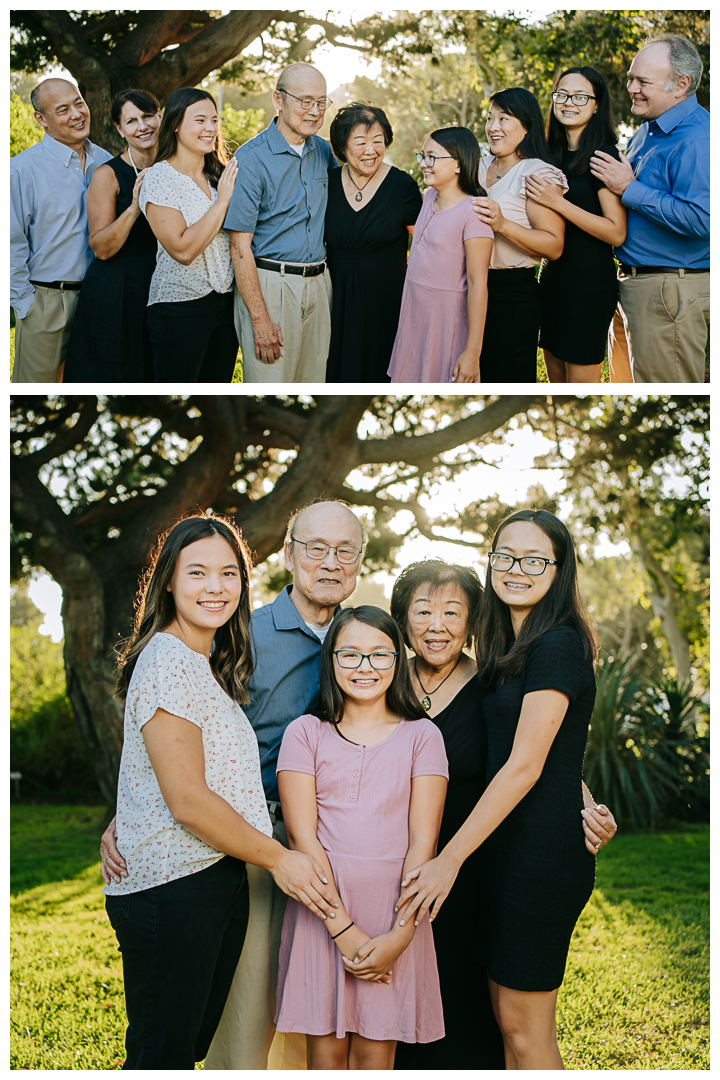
<point x="246" y="1038"/>
<point x="41" y="338"/>
<point x="301" y="306"/>
<point x="659" y="331"/>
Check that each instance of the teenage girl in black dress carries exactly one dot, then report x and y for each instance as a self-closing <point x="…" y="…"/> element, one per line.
<point x="579" y="290"/>
<point x="535" y="654"/>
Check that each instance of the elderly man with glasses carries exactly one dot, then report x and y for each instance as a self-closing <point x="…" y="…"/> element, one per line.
<point x="324" y="545"/>
<point x="276" y="220"/>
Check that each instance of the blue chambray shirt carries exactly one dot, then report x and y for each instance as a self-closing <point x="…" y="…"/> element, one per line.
<point x="48" y="222"/>
<point x="286" y="680"/>
<point x="669" y="201"/>
<point x="281" y="197"/>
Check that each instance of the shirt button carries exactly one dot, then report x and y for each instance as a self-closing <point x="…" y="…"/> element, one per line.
<point x="352" y="794"/>
<point x="359" y="754"/>
<point x="356" y="774"/>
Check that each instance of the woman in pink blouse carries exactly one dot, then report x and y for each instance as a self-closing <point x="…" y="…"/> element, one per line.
<point x="185" y="197"/>
<point x="191" y="808"/>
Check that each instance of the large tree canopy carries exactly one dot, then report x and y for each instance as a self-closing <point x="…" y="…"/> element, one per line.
<point x="94" y="481"/>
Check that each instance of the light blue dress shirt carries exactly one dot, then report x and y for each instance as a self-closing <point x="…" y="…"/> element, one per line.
<point x="286" y="680"/>
<point x="281" y="197"/>
<point x="669" y="201"/>
<point x="48" y="221"/>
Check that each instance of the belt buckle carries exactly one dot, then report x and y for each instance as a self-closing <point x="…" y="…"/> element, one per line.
<point x="305" y="269"/>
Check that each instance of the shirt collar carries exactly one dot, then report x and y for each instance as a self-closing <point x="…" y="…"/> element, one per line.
<point x="63" y="152"/>
<point x="285" y="615"/>
<point x="670" y="119"/>
<point x="279" y="144"/>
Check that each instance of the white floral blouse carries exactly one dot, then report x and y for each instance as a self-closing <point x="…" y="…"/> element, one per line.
<point x="212" y="270"/>
<point x="168" y="675"/>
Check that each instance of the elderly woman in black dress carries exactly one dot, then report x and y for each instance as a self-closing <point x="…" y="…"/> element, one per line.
<point x="579" y="291"/>
<point x="437" y="605"/>
<point x="109" y="338"/>
<point x="371" y="207"/>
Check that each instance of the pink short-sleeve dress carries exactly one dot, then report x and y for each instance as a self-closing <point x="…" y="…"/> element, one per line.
<point x="363" y="797"/>
<point x="433" y="327"/>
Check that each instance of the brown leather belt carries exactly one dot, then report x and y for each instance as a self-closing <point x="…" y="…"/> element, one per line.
<point x="631" y="271"/>
<point x="306" y="270"/>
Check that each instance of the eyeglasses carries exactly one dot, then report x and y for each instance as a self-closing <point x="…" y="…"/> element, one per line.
<point x="380" y="661"/>
<point x="308" y="102"/>
<point x="560" y="97"/>
<point x="430" y="159"/>
<point x="316" y="550"/>
<point x="532" y="565"/>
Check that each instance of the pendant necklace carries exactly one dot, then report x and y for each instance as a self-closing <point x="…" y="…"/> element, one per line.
<point x="426" y="702"/>
<point x="358" y="197"/>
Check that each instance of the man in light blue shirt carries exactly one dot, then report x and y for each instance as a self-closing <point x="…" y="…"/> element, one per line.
<point x="49" y="249"/>
<point x="660" y="329"/>
<point x="276" y="219"/>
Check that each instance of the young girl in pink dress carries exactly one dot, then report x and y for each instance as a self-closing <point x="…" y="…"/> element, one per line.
<point x="362" y="787"/>
<point x="442" y="317"/>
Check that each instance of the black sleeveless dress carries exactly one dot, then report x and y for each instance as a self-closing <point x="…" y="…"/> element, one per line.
<point x="367" y="257"/>
<point x="537" y="874"/>
<point x="579" y="291"/>
<point x="109" y="338"/>
<point x="472" y="1038"/>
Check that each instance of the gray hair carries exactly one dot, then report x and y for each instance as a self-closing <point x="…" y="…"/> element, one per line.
<point x="321" y="502"/>
<point x="684" y="60"/>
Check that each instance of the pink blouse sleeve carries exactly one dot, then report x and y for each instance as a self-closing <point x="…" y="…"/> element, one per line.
<point x="429" y="757"/>
<point x="298" y="750"/>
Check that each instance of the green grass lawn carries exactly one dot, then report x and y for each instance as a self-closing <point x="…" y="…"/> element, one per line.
<point x="635" y="995"/>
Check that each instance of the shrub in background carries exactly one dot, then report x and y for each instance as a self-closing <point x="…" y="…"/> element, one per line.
<point x="239" y="125"/>
<point x="24" y="130"/>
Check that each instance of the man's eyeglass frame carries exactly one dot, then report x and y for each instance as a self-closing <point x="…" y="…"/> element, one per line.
<point x="312" y="101"/>
<point x="328" y="548"/>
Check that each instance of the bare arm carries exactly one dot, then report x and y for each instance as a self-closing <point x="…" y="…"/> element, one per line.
<point x="176" y="754"/>
<point x="185" y="242"/>
<point x="298" y="796"/>
<point x="478" y="251"/>
<point x="610" y="226"/>
<point x="266" y="333"/>
<point x="541" y="715"/>
<point x="427" y="800"/>
<point x="107" y="232"/>
<point x="545" y="238"/>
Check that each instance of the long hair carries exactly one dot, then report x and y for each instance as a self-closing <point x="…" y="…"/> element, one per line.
<point x="520" y="103"/>
<point x="175" y="108"/>
<point x="500" y="656"/>
<point x="231" y="659"/>
<point x="461" y="144"/>
<point x="600" y="130"/>
<point x="401" y="698"/>
<point x="436" y="574"/>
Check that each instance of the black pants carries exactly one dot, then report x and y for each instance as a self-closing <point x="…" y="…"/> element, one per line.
<point x="194" y="340"/>
<point x="512" y="326"/>
<point x="180" y="945"/>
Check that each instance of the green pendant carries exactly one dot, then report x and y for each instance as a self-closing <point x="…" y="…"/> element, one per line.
<point x="426" y="702"/>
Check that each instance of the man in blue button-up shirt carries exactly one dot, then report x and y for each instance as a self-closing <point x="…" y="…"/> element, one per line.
<point x="277" y="222"/>
<point x="660" y="329"/>
<point x="49" y="248"/>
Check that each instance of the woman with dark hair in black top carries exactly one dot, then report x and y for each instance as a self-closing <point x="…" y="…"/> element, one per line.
<point x="579" y="290"/>
<point x="109" y="339"/>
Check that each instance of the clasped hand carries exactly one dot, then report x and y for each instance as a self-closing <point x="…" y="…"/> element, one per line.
<point x="375" y="958"/>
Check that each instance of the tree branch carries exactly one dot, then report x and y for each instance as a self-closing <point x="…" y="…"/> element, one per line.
<point x="87" y="407"/>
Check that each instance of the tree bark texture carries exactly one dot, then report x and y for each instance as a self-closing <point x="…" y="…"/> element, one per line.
<point x="99" y="586"/>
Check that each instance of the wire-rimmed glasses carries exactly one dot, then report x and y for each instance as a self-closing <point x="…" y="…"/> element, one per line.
<point x="315" y="549"/>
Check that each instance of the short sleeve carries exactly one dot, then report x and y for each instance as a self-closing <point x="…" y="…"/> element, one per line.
<point x="557" y="662"/>
<point x="549" y="172"/>
<point x="413" y="201"/>
<point x="298" y="750"/>
<point x="157" y="188"/>
<point x="612" y="151"/>
<point x="474" y="227"/>
<point x="162" y="680"/>
<point x="429" y="757"/>
<point x="246" y="200"/>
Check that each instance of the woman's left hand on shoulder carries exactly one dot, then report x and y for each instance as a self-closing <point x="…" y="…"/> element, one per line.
<point x="544" y="190"/>
<point x="599" y="827"/>
<point x="489" y="212"/>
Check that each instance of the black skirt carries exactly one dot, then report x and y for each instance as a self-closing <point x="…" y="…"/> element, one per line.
<point x="512" y="325"/>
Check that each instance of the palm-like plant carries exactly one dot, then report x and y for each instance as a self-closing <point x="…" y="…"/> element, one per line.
<point x="674" y="708"/>
<point x="623" y="764"/>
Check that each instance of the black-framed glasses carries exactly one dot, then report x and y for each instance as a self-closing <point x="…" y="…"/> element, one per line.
<point x="560" y="97"/>
<point x="429" y="159"/>
<point x="351" y="658"/>
<point x="315" y="549"/>
<point x="308" y="102"/>
<point x="532" y="565"/>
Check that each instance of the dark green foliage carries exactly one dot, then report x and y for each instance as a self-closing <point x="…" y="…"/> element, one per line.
<point x="47" y="749"/>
